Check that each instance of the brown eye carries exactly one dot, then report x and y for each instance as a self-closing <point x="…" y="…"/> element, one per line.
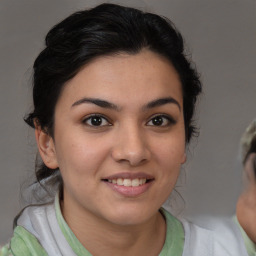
<point x="96" y="120"/>
<point x="158" y="121"/>
<point x="161" y="120"/>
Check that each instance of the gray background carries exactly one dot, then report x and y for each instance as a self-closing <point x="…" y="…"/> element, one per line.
<point x="220" y="34"/>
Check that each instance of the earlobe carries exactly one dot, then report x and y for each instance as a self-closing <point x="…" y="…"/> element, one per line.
<point x="184" y="159"/>
<point x="46" y="148"/>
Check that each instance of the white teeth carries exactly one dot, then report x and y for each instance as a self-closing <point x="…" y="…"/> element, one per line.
<point x="128" y="182"/>
<point x="119" y="182"/>
<point x="142" y="181"/>
<point x="135" y="182"/>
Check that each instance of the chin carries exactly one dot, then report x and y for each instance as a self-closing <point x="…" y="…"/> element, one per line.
<point x="128" y="216"/>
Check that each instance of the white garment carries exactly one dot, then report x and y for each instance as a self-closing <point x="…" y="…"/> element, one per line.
<point x="224" y="240"/>
<point x="41" y="221"/>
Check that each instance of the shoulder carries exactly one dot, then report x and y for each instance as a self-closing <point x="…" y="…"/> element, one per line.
<point x="25" y="239"/>
<point x="5" y="250"/>
<point x="35" y="217"/>
<point x="23" y="243"/>
<point x="217" y="237"/>
<point x="41" y="222"/>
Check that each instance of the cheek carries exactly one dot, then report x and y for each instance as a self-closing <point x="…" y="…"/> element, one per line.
<point x="80" y="156"/>
<point x="169" y="164"/>
<point x="170" y="158"/>
<point x="170" y="152"/>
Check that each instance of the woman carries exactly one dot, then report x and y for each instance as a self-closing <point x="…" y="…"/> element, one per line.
<point x="246" y="205"/>
<point x="114" y="98"/>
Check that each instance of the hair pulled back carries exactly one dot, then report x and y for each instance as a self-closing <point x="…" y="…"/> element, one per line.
<point x="251" y="149"/>
<point x="107" y="29"/>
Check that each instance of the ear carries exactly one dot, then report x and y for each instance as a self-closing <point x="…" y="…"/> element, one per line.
<point x="184" y="158"/>
<point x="46" y="148"/>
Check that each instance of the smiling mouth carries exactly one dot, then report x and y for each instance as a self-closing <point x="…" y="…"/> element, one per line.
<point x="129" y="182"/>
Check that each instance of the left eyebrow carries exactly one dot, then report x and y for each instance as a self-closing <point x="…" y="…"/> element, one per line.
<point x="161" y="102"/>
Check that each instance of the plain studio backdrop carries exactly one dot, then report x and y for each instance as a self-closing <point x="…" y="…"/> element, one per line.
<point x="220" y="35"/>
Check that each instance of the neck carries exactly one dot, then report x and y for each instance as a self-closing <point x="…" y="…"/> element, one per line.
<point x="101" y="237"/>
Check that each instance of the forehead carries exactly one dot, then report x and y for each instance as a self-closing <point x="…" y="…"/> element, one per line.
<point x="125" y="78"/>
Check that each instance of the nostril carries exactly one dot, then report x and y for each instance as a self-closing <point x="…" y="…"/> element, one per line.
<point x="133" y="157"/>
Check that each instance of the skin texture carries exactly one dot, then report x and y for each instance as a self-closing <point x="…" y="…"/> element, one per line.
<point x="246" y="205"/>
<point x="126" y="143"/>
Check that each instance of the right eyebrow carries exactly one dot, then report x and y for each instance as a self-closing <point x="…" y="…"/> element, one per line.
<point x="98" y="102"/>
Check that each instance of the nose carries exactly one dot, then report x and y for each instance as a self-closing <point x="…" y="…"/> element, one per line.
<point x="131" y="146"/>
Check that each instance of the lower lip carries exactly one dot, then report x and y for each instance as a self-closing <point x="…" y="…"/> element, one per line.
<point x="130" y="191"/>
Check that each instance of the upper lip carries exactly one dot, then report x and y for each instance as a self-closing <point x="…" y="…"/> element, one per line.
<point x="129" y="175"/>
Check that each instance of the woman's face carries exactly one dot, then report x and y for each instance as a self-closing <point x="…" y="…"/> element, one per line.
<point x="119" y="137"/>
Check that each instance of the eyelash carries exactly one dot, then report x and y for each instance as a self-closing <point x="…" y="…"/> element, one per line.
<point x="168" y="119"/>
<point x="165" y="118"/>
<point x="90" y="118"/>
